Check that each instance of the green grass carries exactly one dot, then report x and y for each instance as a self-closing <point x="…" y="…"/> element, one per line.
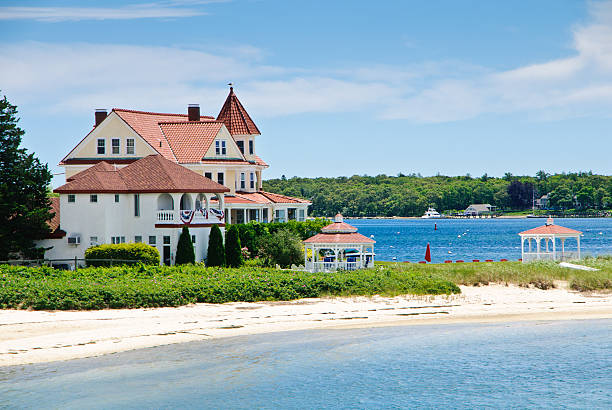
<point x="539" y="274"/>
<point x="155" y="286"/>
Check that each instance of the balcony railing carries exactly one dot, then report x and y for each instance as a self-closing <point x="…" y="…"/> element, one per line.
<point x="200" y="216"/>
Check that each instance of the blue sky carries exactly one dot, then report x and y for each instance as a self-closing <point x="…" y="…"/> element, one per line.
<point x="336" y="87"/>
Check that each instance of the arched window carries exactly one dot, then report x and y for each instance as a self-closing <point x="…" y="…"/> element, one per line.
<point x="165" y="202"/>
<point x="186" y="203"/>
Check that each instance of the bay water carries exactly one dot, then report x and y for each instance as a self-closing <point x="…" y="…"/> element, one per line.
<point x="542" y="364"/>
<point x="468" y="239"/>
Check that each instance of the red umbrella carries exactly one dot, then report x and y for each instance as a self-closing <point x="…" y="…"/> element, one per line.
<point x="428" y="253"/>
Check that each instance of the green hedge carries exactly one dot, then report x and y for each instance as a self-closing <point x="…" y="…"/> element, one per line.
<point x="109" y="255"/>
<point x="155" y="286"/>
<point x="252" y="233"/>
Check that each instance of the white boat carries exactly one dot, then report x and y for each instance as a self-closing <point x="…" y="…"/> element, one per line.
<point x="431" y="213"/>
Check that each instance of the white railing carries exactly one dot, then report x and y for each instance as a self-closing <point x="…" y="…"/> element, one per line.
<point x="334" y="266"/>
<point x="549" y="256"/>
<point x="190" y="217"/>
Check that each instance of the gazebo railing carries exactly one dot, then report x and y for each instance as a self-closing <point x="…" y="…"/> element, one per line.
<point x="549" y="256"/>
<point x="321" y="266"/>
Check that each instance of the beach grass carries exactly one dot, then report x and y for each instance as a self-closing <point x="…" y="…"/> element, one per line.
<point x="44" y="288"/>
<point x="542" y="275"/>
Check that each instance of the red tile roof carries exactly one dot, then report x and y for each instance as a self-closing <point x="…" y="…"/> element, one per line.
<point x="235" y="117"/>
<point x="344" y="238"/>
<point x="551" y="230"/>
<point x="338" y="227"/>
<point x="262" y="197"/>
<point x="146" y="124"/>
<point x="190" y="141"/>
<point x="153" y="173"/>
<point x="98" y="167"/>
<point x="54" y="223"/>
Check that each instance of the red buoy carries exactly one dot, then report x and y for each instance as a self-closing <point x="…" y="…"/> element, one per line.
<point x="428" y="253"/>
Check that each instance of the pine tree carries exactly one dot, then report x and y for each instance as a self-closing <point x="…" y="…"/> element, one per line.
<point x="233" y="250"/>
<point x="216" y="252"/>
<point x="184" y="249"/>
<point x="24" y="203"/>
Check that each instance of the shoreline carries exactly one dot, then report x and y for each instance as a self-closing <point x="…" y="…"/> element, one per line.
<point x="45" y="336"/>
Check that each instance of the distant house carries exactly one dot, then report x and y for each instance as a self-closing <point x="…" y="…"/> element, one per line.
<point x="479" y="209"/>
<point x="543" y="202"/>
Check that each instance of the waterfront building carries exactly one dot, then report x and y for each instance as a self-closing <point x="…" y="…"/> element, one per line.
<point x="541" y="243"/>
<point x="140" y="176"/>
<point x="479" y="209"/>
<point x="338" y="246"/>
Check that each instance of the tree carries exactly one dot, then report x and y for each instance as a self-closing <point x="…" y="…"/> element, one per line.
<point x="233" y="250"/>
<point x="216" y="252"/>
<point x="282" y="248"/>
<point x="24" y="204"/>
<point x="184" y="249"/>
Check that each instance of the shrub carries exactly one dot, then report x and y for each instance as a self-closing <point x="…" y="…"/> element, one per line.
<point x="108" y="255"/>
<point x="184" y="249"/>
<point x="282" y="248"/>
<point x="233" y="251"/>
<point x="216" y="252"/>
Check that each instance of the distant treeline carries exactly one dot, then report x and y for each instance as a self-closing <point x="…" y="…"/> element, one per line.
<point x="410" y="195"/>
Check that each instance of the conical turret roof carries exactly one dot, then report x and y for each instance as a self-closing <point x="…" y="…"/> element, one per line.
<point x="236" y="118"/>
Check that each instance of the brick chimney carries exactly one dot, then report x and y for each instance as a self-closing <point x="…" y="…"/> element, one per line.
<point x="193" y="112"/>
<point x="100" y="116"/>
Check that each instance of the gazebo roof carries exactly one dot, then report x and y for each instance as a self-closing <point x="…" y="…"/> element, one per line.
<point x="550" y="229"/>
<point x="339" y="232"/>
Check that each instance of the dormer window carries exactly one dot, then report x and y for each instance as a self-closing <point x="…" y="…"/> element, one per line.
<point x="129" y="148"/>
<point x="220" y="147"/>
<point x="251" y="147"/>
<point x="240" y="146"/>
<point x="101" y="146"/>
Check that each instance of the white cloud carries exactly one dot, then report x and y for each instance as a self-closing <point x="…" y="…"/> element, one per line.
<point x="172" y="9"/>
<point x="82" y="76"/>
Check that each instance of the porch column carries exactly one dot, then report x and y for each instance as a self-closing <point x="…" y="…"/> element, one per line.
<point x="245" y="213"/>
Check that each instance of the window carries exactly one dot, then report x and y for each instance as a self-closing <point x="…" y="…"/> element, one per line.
<point x="208" y="175"/>
<point x="136" y="204"/>
<point x="93" y="240"/>
<point x="152" y="240"/>
<point x="252" y="180"/>
<point x="101" y="147"/>
<point x="71" y="198"/>
<point x="129" y="149"/>
<point x="93" y="198"/>
<point x="166" y="240"/>
<point x="240" y="146"/>
<point x="137" y="239"/>
<point x="280" y="215"/>
<point x="117" y="239"/>
<point x="115" y="145"/>
<point x="192" y="238"/>
<point x="242" y="182"/>
<point x="251" y="148"/>
<point x="220" y="148"/>
<point x="116" y="197"/>
<point x="220" y="178"/>
<point x="301" y="215"/>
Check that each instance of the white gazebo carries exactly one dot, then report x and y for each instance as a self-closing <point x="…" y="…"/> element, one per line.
<point x="542" y="243"/>
<point x="338" y="246"/>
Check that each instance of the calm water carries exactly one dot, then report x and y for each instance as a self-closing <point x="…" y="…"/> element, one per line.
<point x="531" y="364"/>
<point x="469" y="239"/>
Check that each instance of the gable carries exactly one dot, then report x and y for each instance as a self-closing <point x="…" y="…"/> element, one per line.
<point x="232" y="150"/>
<point x="113" y="127"/>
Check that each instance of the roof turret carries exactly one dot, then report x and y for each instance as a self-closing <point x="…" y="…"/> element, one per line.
<point x="236" y="118"/>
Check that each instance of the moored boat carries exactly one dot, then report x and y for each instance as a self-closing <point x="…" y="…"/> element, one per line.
<point x="431" y="213"/>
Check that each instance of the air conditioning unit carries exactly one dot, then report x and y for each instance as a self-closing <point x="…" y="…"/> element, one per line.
<point x="74" y="239"/>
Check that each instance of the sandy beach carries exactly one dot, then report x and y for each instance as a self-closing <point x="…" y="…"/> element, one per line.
<point x="45" y="336"/>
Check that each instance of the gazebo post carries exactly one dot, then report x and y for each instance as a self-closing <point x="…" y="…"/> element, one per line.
<point x="578" y="246"/>
<point x="554" y="247"/>
<point x="539" y="246"/>
<point x="522" y="248"/>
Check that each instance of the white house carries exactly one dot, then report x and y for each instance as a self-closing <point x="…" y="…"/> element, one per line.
<point x="148" y="201"/>
<point x="479" y="209"/>
<point x="140" y="176"/>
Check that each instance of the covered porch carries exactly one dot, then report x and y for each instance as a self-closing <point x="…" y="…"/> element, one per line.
<point x="204" y="208"/>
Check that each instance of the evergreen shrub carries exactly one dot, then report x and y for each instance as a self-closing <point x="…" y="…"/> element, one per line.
<point x="216" y="251"/>
<point x="233" y="251"/>
<point x="184" y="249"/>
